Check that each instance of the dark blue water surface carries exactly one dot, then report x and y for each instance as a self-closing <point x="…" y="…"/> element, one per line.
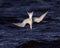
<point x="12" y="11"/>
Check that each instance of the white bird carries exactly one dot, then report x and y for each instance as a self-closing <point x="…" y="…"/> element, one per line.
<point x="26" y="21"/>
<point x="29" y="20"/>
<point x="39" y="19"/>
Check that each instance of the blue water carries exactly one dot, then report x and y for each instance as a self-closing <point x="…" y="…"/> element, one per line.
<point x="16" y="11"/>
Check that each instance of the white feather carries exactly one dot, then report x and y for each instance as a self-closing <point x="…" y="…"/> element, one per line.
<point x="29" y="20"/>
<point x="26" y="21"/>
<point x="39" y="19"/>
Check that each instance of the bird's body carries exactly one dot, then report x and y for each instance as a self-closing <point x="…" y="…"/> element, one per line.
<point x="26" y="21"/>
<point x="39" y="19"/>
<point x="29" y="20"/>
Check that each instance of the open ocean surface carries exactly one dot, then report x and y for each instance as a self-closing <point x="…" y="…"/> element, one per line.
<point x="14" y="11"/>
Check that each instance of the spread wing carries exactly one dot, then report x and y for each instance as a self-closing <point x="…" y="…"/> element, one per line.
<point x="18" y="24"/>
<point x="25" y="21"/>
<point x="21" y="24"/>
<point x="39" y="19"/>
